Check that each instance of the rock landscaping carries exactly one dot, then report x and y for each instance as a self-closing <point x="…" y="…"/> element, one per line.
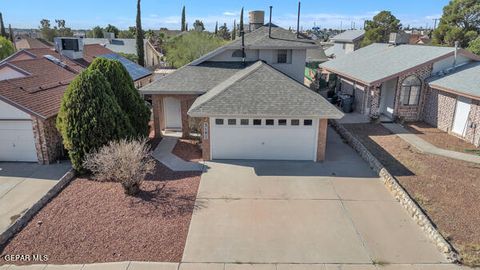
<point x="91" y="222"/>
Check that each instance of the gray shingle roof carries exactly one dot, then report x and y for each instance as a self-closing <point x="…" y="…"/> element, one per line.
<point x="281" y="38"/>
<point x="192" y="79"/>
<point x="379" y="61"/>
<point x="261" y="90"/>
<point x="464" y="80"/>
<point x="348" y="36"/>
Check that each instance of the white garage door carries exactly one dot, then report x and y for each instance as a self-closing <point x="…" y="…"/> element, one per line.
<point x="274" y="139"/>
<point x="16" y="141"/>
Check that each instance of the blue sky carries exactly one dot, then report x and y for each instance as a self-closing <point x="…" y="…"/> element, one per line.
<point x="166" y="13"/>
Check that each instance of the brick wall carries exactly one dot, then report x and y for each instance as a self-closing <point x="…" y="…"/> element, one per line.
<point x="322" y="139"/>
<point x="473" y="132"/>
<point x="412" y="112"/>
<point x="439" y="111"/>
<point x="205" y="127"/>
<point x="48" y="141"/>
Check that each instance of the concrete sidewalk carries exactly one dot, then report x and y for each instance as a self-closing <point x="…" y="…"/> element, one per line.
<point x="22" y="185"/>
<point x="231" y="266"/>
<point x="426" y="147"/>
<point x="163" y="153"/>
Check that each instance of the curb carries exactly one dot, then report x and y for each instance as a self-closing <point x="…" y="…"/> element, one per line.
<point x="399" y="193"/>
<point x="21" y="222"/>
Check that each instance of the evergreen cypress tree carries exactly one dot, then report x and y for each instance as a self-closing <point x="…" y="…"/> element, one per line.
<point x="89" y="116"/>
<point x="139" y="37"/>
<point x="184" y="23"/>
<point x="10" y="33"/>
<point x="234" y="31"/>
<point x="125" y="94"/>
<point x="2" y="27"/>
<point x="216" y="28"/>
<point x="241" y="22"/>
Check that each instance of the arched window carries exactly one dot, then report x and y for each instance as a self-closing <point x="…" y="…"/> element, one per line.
<point x="411" y="87"/>
<point x="237" y="53"/>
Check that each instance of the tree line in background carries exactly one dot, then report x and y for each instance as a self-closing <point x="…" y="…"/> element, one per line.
<point x="7" y="42"/>
<point x="460" y="22"/>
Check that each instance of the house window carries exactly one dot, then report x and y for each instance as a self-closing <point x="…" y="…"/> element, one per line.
<point x="282" y="122"/>
<point x="244" y="122"/>
<point x="232" y="122"/>
<point x="282" y="56"/>
<point x="237" y="53"/>
<point x="410" y="91"/>
<point x="269" y="122"/>
<point x="218" y="121"/>
<point x="295" y="122"/>
<point x="257" y="122"/>
<point x="307" y="122"/>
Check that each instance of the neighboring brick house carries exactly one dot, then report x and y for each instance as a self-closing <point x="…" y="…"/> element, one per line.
<point x="32" y="84"/>
<point x="452" y="102"/>
<point x="391" y="81"/>
<point x="249" y="98"/>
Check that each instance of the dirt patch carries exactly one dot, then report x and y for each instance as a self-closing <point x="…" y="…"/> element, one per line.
<point x="440" y="138"/>
<point x="90" y="222"/>
<point x="188" y="150"/>
<point x="448" y="190"/>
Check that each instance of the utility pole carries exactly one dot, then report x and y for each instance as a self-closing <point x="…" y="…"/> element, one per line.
<point x="435" y="23"/>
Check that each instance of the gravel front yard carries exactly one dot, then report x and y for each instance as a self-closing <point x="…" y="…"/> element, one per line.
<point x="92" y="221"/>
<point x="440" y="138"/>
<point x="447" y="189"/>
<point x="188" y="150"/>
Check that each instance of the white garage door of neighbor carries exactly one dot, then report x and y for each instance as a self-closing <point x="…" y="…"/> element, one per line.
<point x="462" y="111"/>
<point x="263" y="142"/>
<point x="16" y="141"/>
<point x="173" y="113"/>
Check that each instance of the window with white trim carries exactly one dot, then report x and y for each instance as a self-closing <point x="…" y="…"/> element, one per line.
<point x="244" y="122"/>
<point x="257" y="122"/>
<point x="410" y="90"/>
<point x="282" y="122"/>
<point x="232" y="122"/>
<point x="295" y="122"/>
<point x="284" y="56"/>
<point x="269" y="122"/>
<point x="307" y="122"/>
<point x="218" y="121"/>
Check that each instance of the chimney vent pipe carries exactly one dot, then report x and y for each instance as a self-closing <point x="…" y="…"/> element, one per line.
<point x="270" y="24"/>
<point x="298" y="21"/>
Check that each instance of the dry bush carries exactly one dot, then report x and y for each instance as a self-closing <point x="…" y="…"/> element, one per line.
<point x="124" y="161"/>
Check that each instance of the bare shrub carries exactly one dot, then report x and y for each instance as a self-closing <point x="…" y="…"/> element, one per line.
<point x="124" y="161"/>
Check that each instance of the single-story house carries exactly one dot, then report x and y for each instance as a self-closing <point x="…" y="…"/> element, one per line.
<point x="32" y="84"/>
<point x="249" y="99"/>
<point x="392" y="81"/>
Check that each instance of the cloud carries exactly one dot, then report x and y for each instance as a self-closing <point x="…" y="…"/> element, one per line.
<point x="230" y="13"/>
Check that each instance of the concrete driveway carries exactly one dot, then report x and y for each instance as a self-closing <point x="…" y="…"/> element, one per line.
<point x="335" y="212"/>
<point x="22" y="185"/>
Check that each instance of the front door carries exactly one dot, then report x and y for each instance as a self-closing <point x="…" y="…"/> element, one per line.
<point x="173" y="113"/>
<point x="462" y="111"/>
<point x="387" y="97"/>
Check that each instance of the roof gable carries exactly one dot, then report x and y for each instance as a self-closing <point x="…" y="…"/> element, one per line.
<point x="261" y="90"/>
<point x="464" y="80"/>
<point x="349" y="36"/>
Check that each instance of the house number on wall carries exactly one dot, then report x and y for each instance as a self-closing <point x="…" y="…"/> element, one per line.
<point x="205" y="130"/>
